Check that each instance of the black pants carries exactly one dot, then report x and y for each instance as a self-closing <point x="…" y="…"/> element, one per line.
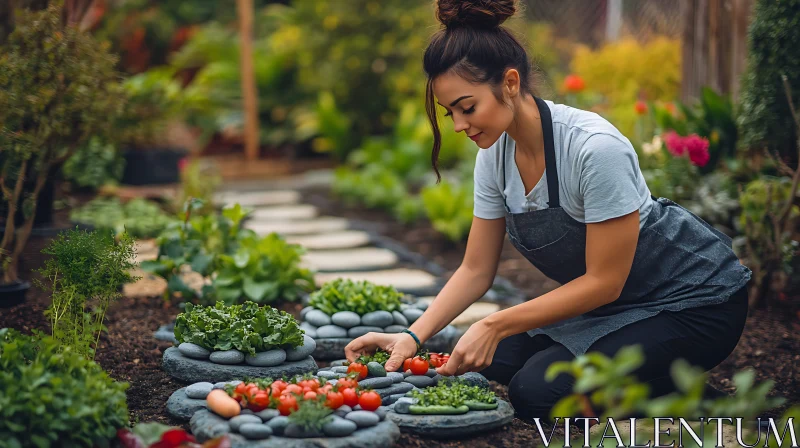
<point x="703" y="336"/>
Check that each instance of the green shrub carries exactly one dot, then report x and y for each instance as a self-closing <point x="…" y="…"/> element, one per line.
<point x="359" y="297"/>
<point x="248" y="327"/>
<point x="139" y="217"/>
<point x="52" y="396"/>
<point x="448" y="206"/>
<point x="773" y="40"/>
<point x="95" y="164"/>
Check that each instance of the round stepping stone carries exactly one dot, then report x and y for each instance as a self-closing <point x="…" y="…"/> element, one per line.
<point x="399" y="319"/>
<point x="323" y="224"/>
<point x="346" y="319"/>
<point x="359" y="259"/>
<point x="363" y="419"/>
<point x="377" y="319"/>
<point x="378" y="382"/>
<point x="193" y="370"/>
<point x="302" y="351"/>
<point x="255" y="431"/>
<point x="266" y="359"/>
<point x="361" y="330"/>
<point x="420" y="380"/>
<point x="453" y="426"/>
<point x="194" y="351"/>
<point x="239" y="420"/>
<point x="180" y="406"/>
<point x="330" y="331"/>
<point x="345" y="239"/>
<point x="317" y="318"/>
<point x="257" y="198"/>
<point x="409" y="281"/>
<point x="228" y="357"/>
<point x="339" y="427"/>
<point x="412" y="314"/>
<point x="199" y="391"/>
<point x="284" y="213"/>
<point x="206" y="425"/>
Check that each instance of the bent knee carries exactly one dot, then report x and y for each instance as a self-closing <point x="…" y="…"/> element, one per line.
<point x="534" y="397"/>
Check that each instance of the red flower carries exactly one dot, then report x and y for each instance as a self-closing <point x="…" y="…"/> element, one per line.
<point x="182" y="163"/>
<point x="173" y="438"/>
<point x="694" y="146"/>
<point x="574" y="84"/>
<point x="640" y="107"/>
<point x="674" y="143"/>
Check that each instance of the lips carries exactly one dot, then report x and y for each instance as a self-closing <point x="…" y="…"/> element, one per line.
<point x="476" y="136"/>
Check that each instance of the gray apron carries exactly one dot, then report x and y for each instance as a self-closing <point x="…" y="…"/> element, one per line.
<point x="680" y="262"/>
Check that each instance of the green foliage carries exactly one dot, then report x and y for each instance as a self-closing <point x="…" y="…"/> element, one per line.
<point x="249" y="328"/>
<point x="52" y="396"/>
<point x="375" y="186"/>
<point x="452" y="392"/>
<point x="199" y="180"/>
<point x="263" y="269"/>
<point x="138" y="217"/>
<point x="773" y="40"/>
<point x="94" y="164"/>
<point x="448" y="206"/>
<point x="359" y="297"/>
<point x="152" y="99"/>
<point x="311" y="415"/>
<point x="379" y="356"/>
<point x="86" y="270"/>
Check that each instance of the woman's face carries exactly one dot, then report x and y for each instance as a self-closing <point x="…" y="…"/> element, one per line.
<point x="473" y="108"/>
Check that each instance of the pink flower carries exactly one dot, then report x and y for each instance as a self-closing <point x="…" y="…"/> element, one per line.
<point x="697" y="147"/>
<point x="674" y="143"/>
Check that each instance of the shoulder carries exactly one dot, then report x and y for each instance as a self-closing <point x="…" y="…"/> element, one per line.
<point x="589" y="136"/>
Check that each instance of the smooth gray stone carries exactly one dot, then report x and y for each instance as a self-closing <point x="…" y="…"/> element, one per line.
<point x="227" y="357"/>
<point x="384" y="435"/>
<point x="317" y="318"/>
<point x="377" y="319"/>
<point x="436" y="378"/>
<point x="357" y="407"/>
<point x="431" y="373"/>
<point x="266" y="359"/>
<point x="363" y="418"/>
<point x="412" y="314"/>
<point x="237" y="421"/>
<point x="255" y="431"/>
<point x="193" y="351"/>
<point x="397" y="377"/>
<point x="422" y="305"/>
<point x="399" y="388"/>
<point x="343" y="410"/>
<point x="327" y="374"/>
<point x="310" y="331"/>
<point x="221" y="384"/>
<point x="339" y="369"/>
<point x="247" y="412"/>
<point x="346" y="319"/>
<point x="199" y="391"/>
<point x="267" y="414"/>
<point x="278" y="424"/>
<point x="361" y="330"/>
<point x="182" y="407"/>
<point x="381" y="412"/>
<point x="339" y="362"/>
<point x="298" y="432"/>
<point x="403" y="403"/>
<point x="331" y="331"/>
<point x="453" y="426"/>
<point x="378" y="382"/>
<point x="302" y="351"/>
<point x="399" y="319"/>
<point x="305" y="311"/>
<point x="475" y="379"/>
<point x="165" y="334"/>
<point x="394" y="328"/>
<point x="339" y="427"/>
<point x="420" y="381"/>
<point x="391" y="399"/>
<point x="192" y="370"/>
<point x="407" y="374"/>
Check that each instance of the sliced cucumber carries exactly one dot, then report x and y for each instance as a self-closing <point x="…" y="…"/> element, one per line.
<point x="480" y="406"/>
<point x="438" y="410"/>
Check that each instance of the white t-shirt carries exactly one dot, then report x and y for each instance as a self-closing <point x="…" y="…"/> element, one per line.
<point x="598" y="172"/>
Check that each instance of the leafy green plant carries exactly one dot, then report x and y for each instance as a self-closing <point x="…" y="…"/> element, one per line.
<point x="380" y="356"/>
<point x="375" y="186"/>
<point x="448" y="206"/>
<point x="94" y="164"/>
<point x="263" y="269"/>
<point x="152" y="100"/>
<point x="453" y="392"/>
<point x="138" y="217"/>
<point x="57" y="89"/>
<point x="311" y="415"/>
<point x="54" y="396"/>
<point x="359" y="297"/>
<point x="86" y="270"/>
<point x="248" y="327"/>
<point x="199" y="180"/>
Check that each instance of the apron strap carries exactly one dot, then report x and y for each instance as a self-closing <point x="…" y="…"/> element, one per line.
<point x="549" y="153"/>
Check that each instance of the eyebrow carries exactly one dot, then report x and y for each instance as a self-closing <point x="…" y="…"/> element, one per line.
<point x="456" y="101"/>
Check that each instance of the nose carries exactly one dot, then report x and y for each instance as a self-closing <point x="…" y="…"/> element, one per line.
<point x="460" y="125"/>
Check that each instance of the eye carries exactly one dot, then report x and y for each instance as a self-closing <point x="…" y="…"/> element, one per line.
<point x="469" y="111"/>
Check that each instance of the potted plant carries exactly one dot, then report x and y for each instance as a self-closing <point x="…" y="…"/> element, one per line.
<point x="57" y="89"/>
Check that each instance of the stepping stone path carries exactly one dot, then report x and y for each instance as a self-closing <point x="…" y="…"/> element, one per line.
<point x="258" y="198"/>
<point x="360" y="259"/>
<point x="409" y="281"/>
<point x="206" y="425"/>
<point x="472" y="314"/>
<point x="192" y="370"/>
<point x="323" y="224"/>
<point x="453" y="426"/>
<point x="345" y="239"/>
<point x="284" y="213"/>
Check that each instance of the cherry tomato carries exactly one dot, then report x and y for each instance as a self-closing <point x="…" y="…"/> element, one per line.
<point x="350" y="397"/>
<point x="360" y="368"/>
<point x="259" y="402"/>
<point x="369" y="400"/>
<point x="287" y="404"/>
<point x="310" y="395"/>
<point x="419" y="366"/>
<point x="334" y="400"/>
<point x="280" y="385"/>
<point x="293" y="389"/>
<point x="345" y="383"/>
<point x="310" y="384"/>
<point x="326" y="388"/>
<point x="407" y="364"/>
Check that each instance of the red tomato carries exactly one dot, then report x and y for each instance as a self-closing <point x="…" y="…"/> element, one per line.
<point x="360" y="368"/>
<point x="259" y="402"/>
<point x="334" y="400"/>
<point x="350" y="397"/>
<point x="280" y="385"/>
<point x="309" y="384"/>
<point x="419" y="366"/>
<point x="310" y="395"/>
<point x="407" y="364"/>
<point x="293" y="389"/>
<point x="345" y="383"/>
<point x="369" y="400"/>
<point x="287" y="404"/>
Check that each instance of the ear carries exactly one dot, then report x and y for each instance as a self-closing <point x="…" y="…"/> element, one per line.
<point x="511" y="83"/>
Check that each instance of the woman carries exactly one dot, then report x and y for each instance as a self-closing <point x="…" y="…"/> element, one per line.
<point x="566" y="187"/>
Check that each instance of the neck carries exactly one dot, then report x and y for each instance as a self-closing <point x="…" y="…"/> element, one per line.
<point x="526" y="129"/>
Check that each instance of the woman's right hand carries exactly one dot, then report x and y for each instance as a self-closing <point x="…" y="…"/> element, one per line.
<point x="400" y="345"/>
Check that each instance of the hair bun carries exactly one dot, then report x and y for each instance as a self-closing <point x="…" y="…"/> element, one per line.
<point x="484" y="14"/>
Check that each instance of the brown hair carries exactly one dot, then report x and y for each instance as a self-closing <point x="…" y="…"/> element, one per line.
<point x="473" y="45"/>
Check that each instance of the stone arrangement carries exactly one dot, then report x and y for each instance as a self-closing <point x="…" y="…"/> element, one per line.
<point x="191" y="363"/>
<point x="449" y="426"/>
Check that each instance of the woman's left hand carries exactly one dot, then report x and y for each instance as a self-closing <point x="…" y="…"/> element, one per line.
<point x="473" y="352"/>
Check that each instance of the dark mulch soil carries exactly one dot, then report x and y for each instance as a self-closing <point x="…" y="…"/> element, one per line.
<point x="130" y="353"/>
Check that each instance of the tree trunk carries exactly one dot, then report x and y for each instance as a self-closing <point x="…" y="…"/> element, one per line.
<point x="249" y="91"/>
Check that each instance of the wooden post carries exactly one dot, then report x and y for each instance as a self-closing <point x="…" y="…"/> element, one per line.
<point x="249" y="90"/>
<point x="613" y="20"/>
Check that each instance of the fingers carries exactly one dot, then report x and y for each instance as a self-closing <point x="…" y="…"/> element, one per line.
<point x="452" y="365"/>
<point x="361" y="345"/>
<point x="395" y="361"/>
